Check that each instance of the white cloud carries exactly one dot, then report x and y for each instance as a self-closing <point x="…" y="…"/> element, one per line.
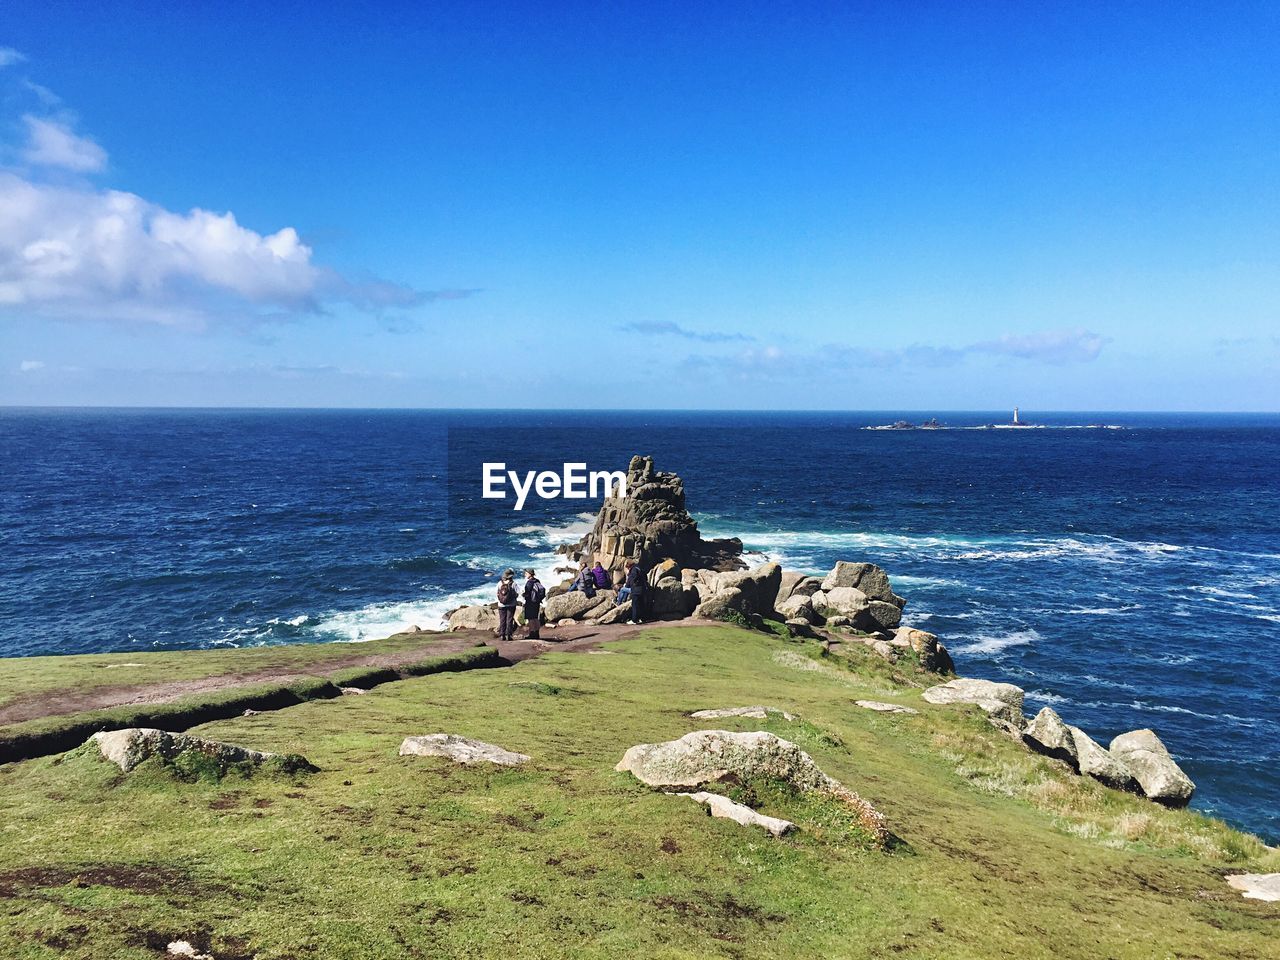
<point x="1049" y="346"/>
<point x="54" y="144"/>
<point x="30" y="366"/>
<point x="10" y="56"/>
<point x="73" y="252"/>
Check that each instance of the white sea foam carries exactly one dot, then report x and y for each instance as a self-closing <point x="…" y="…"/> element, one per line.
<point x="992" y="643"/>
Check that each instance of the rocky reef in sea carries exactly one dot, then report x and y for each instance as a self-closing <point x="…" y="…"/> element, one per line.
<point x="853" y="604"/>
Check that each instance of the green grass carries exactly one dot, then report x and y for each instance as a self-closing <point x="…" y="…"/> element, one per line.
<point x="1002" y="853"/>
<point x="22" y="677"/>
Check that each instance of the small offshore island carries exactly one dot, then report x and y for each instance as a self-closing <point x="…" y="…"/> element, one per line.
<point x="777" y="768"/>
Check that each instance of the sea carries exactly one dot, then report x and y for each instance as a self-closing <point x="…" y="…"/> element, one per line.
<point x="1123" y="568"/>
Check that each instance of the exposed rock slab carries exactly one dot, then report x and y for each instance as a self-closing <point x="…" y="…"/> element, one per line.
<point x="880" y="707"/>
<point x="870" y="579"/>
<point x="759" y="587"/>
<point x="575" y="605"/>
<point x="755" y="713"/>
<point x="460" y="750"/>
<point x="129" y="747"/>
<point x="1160" y="777"/>
<point x="727" y="809"/>
<point x="1256" y="886"/>
<point x="796" y="607"/>
<point x="1002" y="702"/>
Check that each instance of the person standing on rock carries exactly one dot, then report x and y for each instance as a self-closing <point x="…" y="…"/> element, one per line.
<point x="637" y="588"/>
<point x="507" y="601"/>
<point x="534" y="594"/>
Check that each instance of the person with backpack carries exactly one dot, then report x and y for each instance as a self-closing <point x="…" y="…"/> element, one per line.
<point x="507" y="600"/>
<point x="637" y="586"/>
<point x="601" y="575"/>
<point x="534" y="594"/>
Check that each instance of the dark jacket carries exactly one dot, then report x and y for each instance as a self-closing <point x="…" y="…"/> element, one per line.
<point x="636" y="580"/>
<point x="530" y="598"/>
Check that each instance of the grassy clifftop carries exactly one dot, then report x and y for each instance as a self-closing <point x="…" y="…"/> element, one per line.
<point x="1003" y="853"/>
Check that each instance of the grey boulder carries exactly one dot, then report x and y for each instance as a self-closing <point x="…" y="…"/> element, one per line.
<point x="1160" y="777"/>
<point x="727" y="809"/>
<point x="1047" y="734"/>
<point x="1094" y="760"/>
<point x="1002" y="702"/>
<point x="131" y="746"/>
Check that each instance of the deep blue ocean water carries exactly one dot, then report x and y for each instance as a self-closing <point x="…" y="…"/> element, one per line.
<point x="1127" y="577"/>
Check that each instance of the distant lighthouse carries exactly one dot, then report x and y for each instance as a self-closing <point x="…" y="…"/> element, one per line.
<point x="1015" y="415"/>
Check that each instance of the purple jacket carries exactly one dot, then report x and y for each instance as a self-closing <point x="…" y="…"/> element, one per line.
<point x="601" y="575"/>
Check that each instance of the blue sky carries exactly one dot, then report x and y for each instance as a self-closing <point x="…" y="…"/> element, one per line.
<point x="859" y="206"/>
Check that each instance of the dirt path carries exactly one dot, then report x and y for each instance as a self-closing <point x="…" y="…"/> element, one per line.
<point x="575" y="639"/>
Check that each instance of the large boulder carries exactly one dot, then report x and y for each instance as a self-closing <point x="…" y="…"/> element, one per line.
<point x="1155" y="770"/>
<point x="759" y="586"/>
<point x="131" y="746"/>
<point x="797" y="607"/>
<point x="474" y="618"/>
<point x="867" y="577"/>
<point x="1094" y="760"/>
<point x="711" y="756"/>
<point x="615" y="614"/>
<point x="459" y="749"/>
<point x="651" y="524"/>
<point x="932" y="654"/>
<point x="719" y="605"/>
<point x="1047" y="734"/>
<point x="574" y="606"/>
<point x="1002" y="702"/>
<point x="1256" y="886"/>
<point x="885" y="616"/>
<point x="672" y="600"/>
<point x="842" y="601"/>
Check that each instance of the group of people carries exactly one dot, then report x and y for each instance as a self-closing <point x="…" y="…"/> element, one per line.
<point x="632" y="586"/>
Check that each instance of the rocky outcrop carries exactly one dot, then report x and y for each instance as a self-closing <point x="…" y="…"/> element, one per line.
<point x="1155" y="770"/>
<point x="725" y="808"/>
<point x="714" y="756"/>
<point x="797" y="607"/>
<point x="1047" y="734"/>
<point x="719" y="606"/>
<point x="1002" y="702"/>
<point x="1094" y="760"/>
<point x="866" y="577"/>
<point x="650" y="525"/>
<point x="672" y="599"/>
<point x="131" y="746"/>
<point x="460" y="750"/>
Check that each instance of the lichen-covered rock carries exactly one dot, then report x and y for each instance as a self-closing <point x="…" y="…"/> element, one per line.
<point x="1000" y="701"/>
<point x="133" y="745"/>
<point x="867" y="577"/>
<point x="796" y="608"/>
<point x="575" y="605"/>
<point x="754" y="713"/>
<point x="460" y="750"/>
<point x="712" y="756"/>
<point x="1047" y="734"/>
<point x="727" y="809"/>
<point x="933" y="655"/>
<point x="884" y="615"/>
<point x="842" y="601"/>
<point x="671" y="599"/>
<point x="1160" y="777"/>
<point x="720" y="604"/>
<point x="759" y="586"/>
<point x="614" y="614"/>
<point x="1096" y="761"/>
<point x="474" y="618"/>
